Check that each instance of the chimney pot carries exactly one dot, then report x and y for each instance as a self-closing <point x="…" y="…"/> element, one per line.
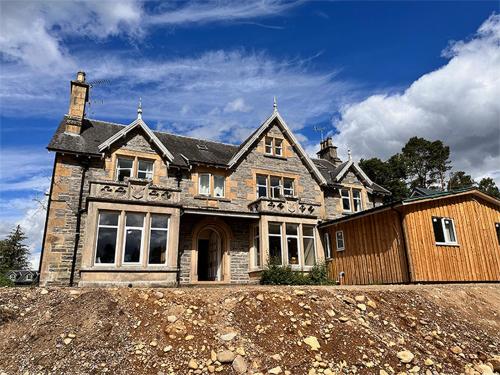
<point x="328" y="151"/>
<point x="80" y="76"/>
<point x="79" y="96"/>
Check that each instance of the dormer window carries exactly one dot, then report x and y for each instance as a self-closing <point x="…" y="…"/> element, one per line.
<point x="211" y="185"/>
<point x="124" y="168"/>
<point x="134" y="168"/>
<point x="274" y="146"/>
<point x="145" y="169"/>
<point x="274" y="186"/>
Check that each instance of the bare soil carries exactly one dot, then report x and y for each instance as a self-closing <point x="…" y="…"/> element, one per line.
<point x="449" y="329"/>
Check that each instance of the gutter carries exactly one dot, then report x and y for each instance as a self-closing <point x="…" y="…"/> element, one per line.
<point x="85" y="167"/>
<point x="49" y="200"/>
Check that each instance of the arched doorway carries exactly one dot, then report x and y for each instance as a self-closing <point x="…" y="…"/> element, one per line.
<point x="210" y="252"/>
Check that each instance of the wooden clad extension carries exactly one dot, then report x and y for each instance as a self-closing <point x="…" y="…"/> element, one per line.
<point x="374" y="250"/>
<point x="397" y="243"/>
<point x="477" y="255"/>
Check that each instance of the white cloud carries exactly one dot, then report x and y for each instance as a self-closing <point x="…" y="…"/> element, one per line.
<point x="458" y="104"/>
<point x="237" y="105"/>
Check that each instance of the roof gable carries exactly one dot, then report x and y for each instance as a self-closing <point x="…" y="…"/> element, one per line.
<point x="138" y="123"/>
<point x="249" y="143"/>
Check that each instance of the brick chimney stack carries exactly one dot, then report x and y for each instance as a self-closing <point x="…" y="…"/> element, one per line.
<point x="79" y="97"/>
<point x="328" y="151"/>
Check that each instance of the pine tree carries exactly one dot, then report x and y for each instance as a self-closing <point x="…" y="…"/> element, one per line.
<point x="13" y="251"/>
<point x="460" y="180"/>
<point x="488" y="186"/>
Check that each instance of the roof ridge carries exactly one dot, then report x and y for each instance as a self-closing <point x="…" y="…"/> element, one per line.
<point x="168" y="133"/>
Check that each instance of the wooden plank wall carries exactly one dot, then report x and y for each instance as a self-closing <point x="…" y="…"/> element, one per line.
<point x="477" y="258"/>
<point x="374" y="250"/>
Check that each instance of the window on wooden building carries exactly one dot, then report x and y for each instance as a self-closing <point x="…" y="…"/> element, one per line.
<point x="497" y="227"/>
<point x="309" y="245"/>
<point x="444" y="231"/>
<point x="328" y="246"/>
<point x="275" y="250"/>
<point x="107" y="233"/>
<point x="339" y="236"/>
<point x="158" y="239"/>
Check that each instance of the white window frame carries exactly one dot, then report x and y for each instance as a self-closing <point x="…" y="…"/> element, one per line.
<point x="299" y="245"/>
<point x="266" y="145"/>
<point x="447" y="241"/>
<point x="125" y="227"/>
<point x="258" y="185"/>
<point x="145" y="171"/>
<point x="117" y="226"/>
<point x="497" y="229"/>
<point x="151" y="228"/>
<point x="209" y="184"/>
<point x="257" y="257"/>
<point x="118" y="169"/>
<point x="273" y="187"/>
<point x="276" y="147"/>
<point x="354" y="199"/>
<point x="306" y="266"/>
<point x="292" y="189"/>
<point x="269" y="234"/>
<point x="348" y="197"/>
<point x="223" y="185"/>
<point x="328" y="245"/>
<point x="338" y="248"/>
<point x="28" y="277"/>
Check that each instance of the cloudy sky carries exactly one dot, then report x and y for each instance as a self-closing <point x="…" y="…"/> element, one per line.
<point x="373" y="74"/>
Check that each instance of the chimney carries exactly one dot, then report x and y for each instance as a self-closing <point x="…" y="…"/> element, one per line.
<point x="79" y="96"/>
<point x="328" y="151"/>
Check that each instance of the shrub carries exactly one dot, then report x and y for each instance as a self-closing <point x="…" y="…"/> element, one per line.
<point x="5" y="281"/>
<point x="276" y="274"/>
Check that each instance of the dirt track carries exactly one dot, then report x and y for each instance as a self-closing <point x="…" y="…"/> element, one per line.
<point x="449" y="329"/>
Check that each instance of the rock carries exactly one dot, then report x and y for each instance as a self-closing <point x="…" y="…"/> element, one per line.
<point x="260" y="297"/>
<point x="239" y="365"/>
<point x="153" y="343"/>
<point x="192" y="364"/>
<point x="167" y="348"/>
<point x="456" y="349"/>
<point x="372" y="304"/>
<point x="171" y="318"/>
<point x="44" y="291"/>
<point x="383" y="372"/>
<point x="330" y="313"/>
<point x="405" y="356"/>
<point x="67" y="341"/>
<point x="189" y="337"/>
<point x="328" y="372"/>
<point x="71" y="335"/>
<point x="158" y="295"/>
<point x="275" y="370"/>
<point x="225" y="356"/>
<point x="312" y="342"/>
<point x="228" y="336"/>
<point x="276" y="357"/>
<point x="343" y="319"/>
<point x="495" y="362"/>
<point x="484" y="369"/>
<point x="299" y="292"/>
<point x="361" y="306"/>
<point x="349" y="300"/>
<point x="359" y="298"/>
<point x="241" y="351"/>
<point x="428" y="362"/>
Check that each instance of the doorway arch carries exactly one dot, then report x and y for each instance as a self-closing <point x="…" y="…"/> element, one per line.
<point x="210" y="258"/>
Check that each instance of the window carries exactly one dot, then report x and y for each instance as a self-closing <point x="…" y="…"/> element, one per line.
<point x="269" y="145"/>
<point x="275" y="253"/>
<point x="273" y="146"/>
<point x="261" y="186"/>
<point x="158" y="239"/>
<point x="497" y="227"/>
<point x="132" y="245"/>
<point x="346" y="200"/>
<point x="219" y="185"/>
<point x="339" y="236"/>
<point x="292" y="244"/>
<point x="256" y="246"/>
<point x="275" y="186"/>
<point x="278" y="148"/>
<point x="29" y="277"/>
<point x="328" y="246"/>
<point x="356" y="200"/>
<point x="288" y="187"/>
<point x="444" y="231"/>
<point x="107" y="233"/>
<point x="145" y="169"/>
<point x="204" y="184"/>
<point x="309" y="245"/>
<point x="124" y="168"/>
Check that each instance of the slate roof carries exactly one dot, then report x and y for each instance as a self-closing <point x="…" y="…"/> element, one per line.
<point x="94" y="132"/>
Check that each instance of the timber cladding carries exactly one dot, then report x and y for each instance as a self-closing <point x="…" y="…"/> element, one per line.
<point x="476" y="257"/>
<point x="397" y="243"/>
<point x="373" y="250"/>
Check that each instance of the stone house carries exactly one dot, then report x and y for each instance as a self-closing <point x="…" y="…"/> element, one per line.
<point x="132" y="206"/>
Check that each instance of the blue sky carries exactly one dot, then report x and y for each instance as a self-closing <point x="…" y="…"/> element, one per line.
<point x="372" y="73"/>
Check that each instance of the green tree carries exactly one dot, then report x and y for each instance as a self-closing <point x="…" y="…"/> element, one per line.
<point x="13" y="251"/>
<point x="460" y="180"/>
<point x="488" y="186"/>
<point x="426" y="162"/>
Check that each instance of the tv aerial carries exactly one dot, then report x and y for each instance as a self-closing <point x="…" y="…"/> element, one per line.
<point x="319" y="129"/>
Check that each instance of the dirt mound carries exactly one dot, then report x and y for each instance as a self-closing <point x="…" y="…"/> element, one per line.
<point x="447" y="329"/>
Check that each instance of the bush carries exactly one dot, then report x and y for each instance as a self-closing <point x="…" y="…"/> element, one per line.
<point x="275" y="274"/>
<point x="5" y="281"/>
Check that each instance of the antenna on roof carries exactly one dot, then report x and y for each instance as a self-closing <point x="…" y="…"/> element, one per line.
<point x="319" y="129"/>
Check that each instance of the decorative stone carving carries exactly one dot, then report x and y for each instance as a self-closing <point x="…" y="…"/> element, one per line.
<point x="284" y="206"/>
<point x="135" y="190"/>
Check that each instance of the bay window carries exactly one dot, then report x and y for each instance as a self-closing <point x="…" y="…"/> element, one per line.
<point x="134" y="231"/>
<point x="292" y="244"/>
<point x="107" y="234"/>
<point x="158" y="239"/>
<point x="275" y="251"/>
<point x="309" y="245"/>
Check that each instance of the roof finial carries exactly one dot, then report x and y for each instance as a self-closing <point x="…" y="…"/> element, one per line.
<point x="275" y="105"/>
<point x="139" y="109"/>
<point x="349" y="154"/>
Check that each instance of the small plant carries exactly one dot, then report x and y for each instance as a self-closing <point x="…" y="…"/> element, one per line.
<point x="276" y="274"/>
<point x="5" y="281"/>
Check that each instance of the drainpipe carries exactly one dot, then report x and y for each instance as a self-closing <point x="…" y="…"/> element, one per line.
<point x="85" y="167"/>
<point x="405" y="245"/>
<point x="49" y="200"/>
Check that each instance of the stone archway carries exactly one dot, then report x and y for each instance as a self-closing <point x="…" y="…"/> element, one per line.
<point x="210" y="258"/>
